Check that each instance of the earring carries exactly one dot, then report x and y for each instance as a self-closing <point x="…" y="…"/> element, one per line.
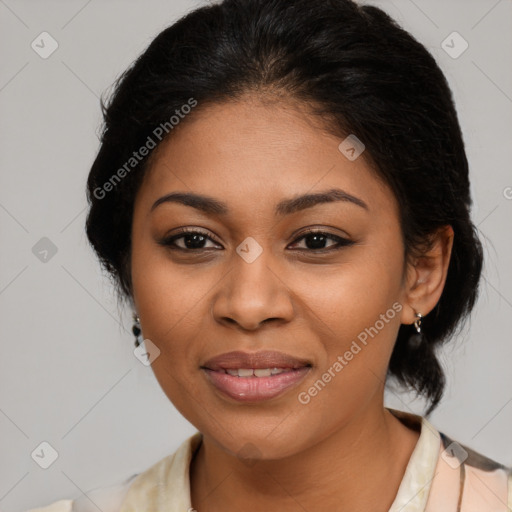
<point x="136" y="329"/>
<point x="416" y="339"/>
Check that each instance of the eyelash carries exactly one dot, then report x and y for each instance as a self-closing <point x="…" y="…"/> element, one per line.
<point x="169" y="242"/>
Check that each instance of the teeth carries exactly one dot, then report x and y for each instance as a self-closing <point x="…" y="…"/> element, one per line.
<point x="262" y="372"/>
<point x="256" y="372"/>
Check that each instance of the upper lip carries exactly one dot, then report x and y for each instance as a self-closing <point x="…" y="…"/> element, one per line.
<point x="263" y="359"/>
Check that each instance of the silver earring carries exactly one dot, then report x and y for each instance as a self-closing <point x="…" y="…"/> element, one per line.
<point x="136" y="329"/>
<point x="416" y="339"/>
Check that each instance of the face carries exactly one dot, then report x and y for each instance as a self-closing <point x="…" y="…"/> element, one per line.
<point x="247" y="276"/>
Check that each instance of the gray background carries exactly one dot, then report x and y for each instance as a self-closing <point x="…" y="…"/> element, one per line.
<point x="68" y="374"/>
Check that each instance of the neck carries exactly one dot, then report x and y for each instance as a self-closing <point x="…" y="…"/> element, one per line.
<point x="357" y="467"/>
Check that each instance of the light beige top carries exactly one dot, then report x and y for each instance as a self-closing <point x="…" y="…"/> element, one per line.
<point x="441" y="476"/>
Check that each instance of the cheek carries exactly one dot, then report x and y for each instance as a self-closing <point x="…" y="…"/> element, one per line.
<point x="168" y="301"/>
<point x="167" y="295"/>
<point x="351" y="297"/>
<point x="359" y="326"/>
<point x="356" y="309"/>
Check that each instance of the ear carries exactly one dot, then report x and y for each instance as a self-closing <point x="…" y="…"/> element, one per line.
<point x="426" y="276"/>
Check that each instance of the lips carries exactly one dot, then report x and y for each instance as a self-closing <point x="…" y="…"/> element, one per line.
<point x="255" y="360"/>
<point x="254" y="377"/>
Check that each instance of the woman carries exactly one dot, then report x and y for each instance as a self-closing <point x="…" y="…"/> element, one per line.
<point x="282" y="197"/>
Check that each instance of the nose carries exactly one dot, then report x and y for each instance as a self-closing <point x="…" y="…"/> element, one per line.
<point x="252" y="294"/>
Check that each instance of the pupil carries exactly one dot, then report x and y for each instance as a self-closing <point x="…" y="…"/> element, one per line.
<point x="198" y="239"/>
<point x="318" y="242"/>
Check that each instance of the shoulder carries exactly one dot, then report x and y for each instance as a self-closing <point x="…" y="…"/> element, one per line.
<point x="168" y="477"/>
<point x="57" y="506"/>
<point x="167" y="480"/>
<point x="445" y="474"/>
<point x="475" y="481"/>
<point x="106" y="499"/>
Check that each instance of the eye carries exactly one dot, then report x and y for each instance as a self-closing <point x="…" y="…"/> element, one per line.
<point x="194" y="240"/>
<point x="317" y="238"/>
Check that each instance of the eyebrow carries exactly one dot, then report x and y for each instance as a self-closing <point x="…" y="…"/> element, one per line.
<point x="212" y="206"/>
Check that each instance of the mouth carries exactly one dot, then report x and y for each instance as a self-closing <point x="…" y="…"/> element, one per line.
<point x="252" y="377"/>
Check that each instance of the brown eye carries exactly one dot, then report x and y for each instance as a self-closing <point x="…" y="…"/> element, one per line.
<point x="315" y="241"/>
<point x="193" y="240"/>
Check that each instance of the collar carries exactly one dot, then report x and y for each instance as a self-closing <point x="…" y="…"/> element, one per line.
<point x="415" y="487"/>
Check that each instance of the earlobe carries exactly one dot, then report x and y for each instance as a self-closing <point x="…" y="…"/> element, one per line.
<point x="426" y="275"/>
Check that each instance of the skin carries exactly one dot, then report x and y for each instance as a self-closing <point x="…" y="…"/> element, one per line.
<point x="251" y="155"/>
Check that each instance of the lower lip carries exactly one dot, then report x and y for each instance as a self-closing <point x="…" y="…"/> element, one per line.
<point x="255" y="389"/>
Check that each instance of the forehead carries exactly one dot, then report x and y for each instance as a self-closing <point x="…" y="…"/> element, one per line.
<point x="253" y="154"/>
